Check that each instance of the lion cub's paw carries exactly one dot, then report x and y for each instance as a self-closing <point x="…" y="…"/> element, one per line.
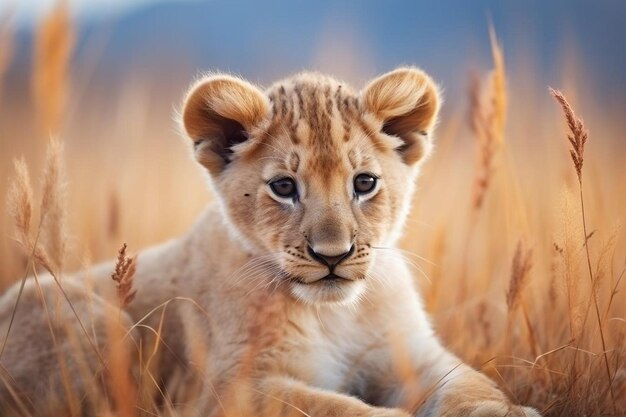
<point x="500" y="409"/>
<point x="389" y="412"/>
<point x="529" y="412"/>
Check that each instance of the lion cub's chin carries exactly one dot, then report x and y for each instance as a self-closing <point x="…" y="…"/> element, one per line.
<point x="339" y="292"/>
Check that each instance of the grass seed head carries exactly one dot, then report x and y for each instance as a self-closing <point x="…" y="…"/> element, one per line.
<point x="579" y="134"/>
<point x="123" y="275"/>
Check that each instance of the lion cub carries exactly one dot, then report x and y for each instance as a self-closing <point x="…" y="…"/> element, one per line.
<point x="299" y="307"/>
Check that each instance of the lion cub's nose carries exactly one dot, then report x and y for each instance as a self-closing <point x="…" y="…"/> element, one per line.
<point x="330" y="260"/>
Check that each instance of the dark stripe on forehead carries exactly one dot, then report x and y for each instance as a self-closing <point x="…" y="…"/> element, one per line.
<point x="273" y="100"/>
<point x="277" y="105"/>
<point x="338" y="98"/>
<point x="316" y="117"/>
<point x="324" y="152"/>
<point x="283" y="102"/>
<point x="292" y="131"/>
<point x="355" y="103"/>
<point x="293" y="121"/>
<point x="293" y="102"/>
<point x="345" y="122"/>
<point x="298" y="90"/>
<point x="329" y="101"/>
<point x="323" y="117"/>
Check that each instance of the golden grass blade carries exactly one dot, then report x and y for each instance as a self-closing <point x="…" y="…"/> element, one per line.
<point x="54" y="43"/>
<point x="487" y="118"/>
<point x="53" y="210"/>
<point x="497" y="88"/>
<point x="20" y="200"/>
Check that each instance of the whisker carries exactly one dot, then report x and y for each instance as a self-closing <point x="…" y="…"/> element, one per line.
<point x="417" y="267"/>
<point x="404" y="251"/>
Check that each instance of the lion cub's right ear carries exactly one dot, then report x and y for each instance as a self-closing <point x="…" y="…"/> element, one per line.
<point x="218" y="113"/>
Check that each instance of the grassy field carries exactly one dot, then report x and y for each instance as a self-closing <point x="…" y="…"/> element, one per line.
<point x="520" y="281"/>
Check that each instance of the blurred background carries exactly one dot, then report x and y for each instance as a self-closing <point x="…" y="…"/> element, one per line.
<point x="106" y="76"/>
<point x="353" y="40"/>
<point x="161" y="39"/>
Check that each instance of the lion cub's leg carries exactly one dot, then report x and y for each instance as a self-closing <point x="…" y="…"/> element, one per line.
<point x="284" y="396"/>
<point x="432" y="381"/>
<point x="52" y="364"/>
<point x="446" y="387"/>
<point x="443" y="386"/>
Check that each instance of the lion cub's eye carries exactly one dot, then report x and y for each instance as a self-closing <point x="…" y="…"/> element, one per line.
<point x="284" y="188"/>
<point x="364" y="183"/>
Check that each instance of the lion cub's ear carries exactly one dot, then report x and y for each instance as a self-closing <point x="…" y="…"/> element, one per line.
<point x="407" y="102"/>
<point x="218" y="113"/>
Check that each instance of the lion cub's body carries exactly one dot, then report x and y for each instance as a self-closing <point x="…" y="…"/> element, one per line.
<point x="253" y="319"/>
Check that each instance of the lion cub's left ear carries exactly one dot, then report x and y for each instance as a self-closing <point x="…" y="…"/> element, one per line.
<point x="407" y="102"/>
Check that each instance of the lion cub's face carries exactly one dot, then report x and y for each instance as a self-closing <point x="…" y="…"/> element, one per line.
<point x="315" y="177"/>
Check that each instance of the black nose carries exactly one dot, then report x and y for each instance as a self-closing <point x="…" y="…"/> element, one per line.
<point x="330" y="261"/>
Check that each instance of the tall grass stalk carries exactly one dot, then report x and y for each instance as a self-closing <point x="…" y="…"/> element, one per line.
<point x="577" y="139"/>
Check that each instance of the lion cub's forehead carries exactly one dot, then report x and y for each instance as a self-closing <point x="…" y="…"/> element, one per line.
<point x="317" y="120"/>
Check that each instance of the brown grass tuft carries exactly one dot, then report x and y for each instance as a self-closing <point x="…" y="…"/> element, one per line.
<point x="578" y="136"/>
<point x="578" y="139"/>
<point x="520" y="269"/>
<point x="54" y="42"/>
<point x="123" y="274"/>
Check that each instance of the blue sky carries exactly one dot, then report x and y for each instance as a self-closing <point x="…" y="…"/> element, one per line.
<point x="264" y="39"/>
<point x="28" y="11"/>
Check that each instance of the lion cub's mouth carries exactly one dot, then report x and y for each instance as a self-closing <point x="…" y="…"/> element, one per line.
<point x="331" y="278"/>
<point x="329" y="289"/>
<point x="326" y="280"/>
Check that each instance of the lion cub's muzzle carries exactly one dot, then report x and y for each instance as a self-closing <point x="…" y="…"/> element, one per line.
<point x="330" y="260"/>
<point x="335" y="272"/>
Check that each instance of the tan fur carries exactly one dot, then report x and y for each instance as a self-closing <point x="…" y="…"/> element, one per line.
<point x="275" y="338"/>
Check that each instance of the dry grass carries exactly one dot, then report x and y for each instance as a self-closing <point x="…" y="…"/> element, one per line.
<point x="578" y="139"/>
<point x="123" y="276"/>
<point x="532" y="334"/>
<point x="488" y="107"/>
<point x="520" y="269"/>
